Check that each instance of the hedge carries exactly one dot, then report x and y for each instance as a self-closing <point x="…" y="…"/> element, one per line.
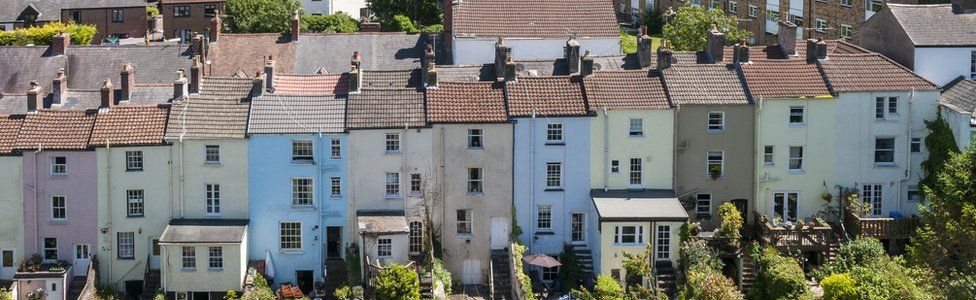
<point x="80" y="34"/>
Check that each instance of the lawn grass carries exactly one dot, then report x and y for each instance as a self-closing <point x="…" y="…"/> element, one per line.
<point x="628" y="42"/>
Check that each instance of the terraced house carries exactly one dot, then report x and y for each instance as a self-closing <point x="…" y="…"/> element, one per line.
<point x="12" y="217"/>
<point x="958" y="107"/>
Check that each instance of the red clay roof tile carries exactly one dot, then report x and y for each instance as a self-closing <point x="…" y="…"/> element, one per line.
<point x="130" y="125"/>
<point x="466" y="102"/>
<point x="546" y="96"/>
<point x="56" y="130"/>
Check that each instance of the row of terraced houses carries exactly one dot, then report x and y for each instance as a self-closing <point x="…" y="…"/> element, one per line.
<point x="180" y="168"/>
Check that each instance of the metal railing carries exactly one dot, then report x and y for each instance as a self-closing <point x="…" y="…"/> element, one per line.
<point x="881" y="228"/>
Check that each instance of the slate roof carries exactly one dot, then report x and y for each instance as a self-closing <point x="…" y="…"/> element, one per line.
<point x="378" y="51"/>
<point x="960" y="95"/>
<point x="130" y="125"/>
<point x="385" y="108"/>
<point x="381" y="222"/>
<point x="56" y="130"/>
<point x="279" y="114"/>
<point x="546" y="96"/>
<point x="638" y="89"/>
<point x="9" y="128"/>
<point x="768" y="78"/>
<point x="311" y="84"/>
<point x="535" y="18"/>
<point x="871" y="72"/>
<point x="204" y="231"/>
<point x="248" y="52"/>
<point x="21" y="65"/>
<point x="707" y="84"/>
<point x="466" y="102"/>
<point x="219" y="111"/>
<point x="398" y="79"/>
<point x="761" y="52"/>
<point x="51" y="9"/>
<point x="935" y="25"/>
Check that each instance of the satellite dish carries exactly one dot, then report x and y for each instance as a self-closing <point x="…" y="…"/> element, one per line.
<point x="520" y="67"/>
<point x="597" y="66"/>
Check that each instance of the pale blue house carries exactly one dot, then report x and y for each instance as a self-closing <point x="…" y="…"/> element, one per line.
<point x="297" y="180"/>
<point x="552" y="169"/>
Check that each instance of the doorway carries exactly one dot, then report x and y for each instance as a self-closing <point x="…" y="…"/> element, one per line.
<point x="154" y="253"/>
<point x="82" y="257"/>
<point x="304" y="280"/>
<point x="7" y="264"/>
<point x="471" y="271"/>
<point x="133" y="289"/>
<point x="333" y="242"/>
<point x="499" y="233"/>
<point x="743" y="206"/>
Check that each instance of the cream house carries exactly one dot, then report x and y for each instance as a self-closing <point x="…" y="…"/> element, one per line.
<point x="12" y="216"/>
<point x="633" y="222"/>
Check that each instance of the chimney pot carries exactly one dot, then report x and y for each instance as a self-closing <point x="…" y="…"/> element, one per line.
<point x="715" y="44"/>
<point x="586" y="64"/>
<point x="510" y="72"/>
<point x="127" y="80"/>
<point x="59" y="87"/>
<point x="821" y="48"/>
<point x="811" y="51"/>
<point x="429" y="67"/>
<point x="217" y="25"/>
<point x="743" y="53"/>
<point x="501" y="52"/>
<point x="787" y="37"/>
<point x="108" y="94"/>
<point x="180" y="85"/>
<point x="572" y="54"/>
<point x="60" y="42"/>
<point x="296" y="25"/>
<point x="257" y="85"/>
<point x="357" y="60"/>
<point x="195" y="75"/>
<point x="34" y="97"/>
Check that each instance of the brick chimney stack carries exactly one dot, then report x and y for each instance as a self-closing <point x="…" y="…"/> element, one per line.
<point x="510" y="72"/>
<point x="296" y="25"/>
<point x="354" y="79"/>
<point x="821" y="48"/>
<point x="586" y="64"/>
<point x="180" y="85"/>
<point x="357" y="60"/>
<point x="429" y="67"/>
<point x="644" y="48"/>
<point x="59" y="87"/>
<point x="501" y="52"/>
<point x="664" y="56"/>
<point x="108" y="94"/>
<point x="787" y="37"/>
<point x="572" y="54"/>
<point x="257" y="85"/>
<point x="811" y="51"/>
<point x="269" y="66"/>
<point x="34" y="97"/>
<point x="715" y="44"/>
<point x="128" y="79"/>
<point x="59" y="43"/>
<point x="195" y="75"/>
<point x="216" y="24"/>
<point x="741" y="53"/>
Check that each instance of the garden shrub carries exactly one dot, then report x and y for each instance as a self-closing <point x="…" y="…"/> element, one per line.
<point x="606" y="288"/>
<point x="442" y="274"/>
<point x="731" y="225"/>
<point x="337" y="22"/>
<point x="856" y="253"/>
<point x="399" y="23"/>
<point x="397" y="282"/>
<point x="570" y="273"/>
<point x="714" y="286"/>
<point x="779" y="277"/>
<point x="838" y="287"/>
<point x="524" y="282"/>
<point x="80" y="34"/>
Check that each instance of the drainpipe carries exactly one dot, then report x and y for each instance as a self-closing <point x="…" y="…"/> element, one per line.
<point x="606" y="150"/>
<point x="908" y="154"/>
<point x="36" y="199"/>
<point x="321" y="201"/>
<point x="674" y="147"/>
<point x="108" y="198"/>
<point x="182" y="204"/>
<point x="757" y="186"/>
<point x="403" y="165"/>
<point x="532" y="190"/>
<point x="441" y="183"/>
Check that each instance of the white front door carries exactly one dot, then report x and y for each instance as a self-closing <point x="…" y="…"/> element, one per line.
<point x="7" y="264"/>
<point x="471" y="272"/>
<point x="499" y="232"/>
<point x="578" y="223"/>
<point x="154" y="253"/>
<point x="82" y="257"/>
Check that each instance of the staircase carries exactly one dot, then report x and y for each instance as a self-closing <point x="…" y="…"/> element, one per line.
<point x="502" y="275"/>
<point x="75" y="286"/>
<point x="666" y="278"/>
<point x="150" y="284"/>
<point x="585" y="259"/>
<point x="426" y="286"/>
<point x="832" y="252"/>
<point x="335" y="275"/>
<point x="748" y="273"/>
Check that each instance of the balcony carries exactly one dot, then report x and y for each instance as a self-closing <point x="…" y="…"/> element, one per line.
<point x="812" y="235"/>
<point x="881" y="228"/>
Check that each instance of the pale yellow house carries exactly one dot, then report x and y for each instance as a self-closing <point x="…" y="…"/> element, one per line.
<point x="12" y="199"/>
<point x="630" y="222"/>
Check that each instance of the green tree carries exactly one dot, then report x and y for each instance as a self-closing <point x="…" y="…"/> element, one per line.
<point x="5" y="294"/>
<point x="731" y="225"/>
<point x="230" y="295"/>
<point x="396" y="282"/>
<point x="654" y="20"/>
<point x="337" y="22"/>
<point x="255" y="16"/>
<point x="838" y="287"/>
<point x="637" y="265"/>
<point x="80" y="34"/>
<point x="570" y="272"/>
<point x="688" y="30"/>
<point x="398" y="23"/>
<point x="425" y="12"/>
<point x="860" y="252"/>
<point x="261" y="291"/>
<point x="347" y="293"/>
<point x="606" y="288"/>
<point x="941" y="144"/>
<point x="714" y="286"/>
<point x="945" y="243"/>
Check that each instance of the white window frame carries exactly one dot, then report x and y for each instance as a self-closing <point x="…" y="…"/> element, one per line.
<point x="874" y="4"/>
<point x="635" y="127"/>
<point x="733" y="7"/>
<point x="914" y="190"/>
<point x="798" y="159"/>
<point x="135" y="203"/>
<point x="663" y="242"/>
<point x="391" y="185"/>
<point x="416" y="184"/>
<point x="335" y="187"/>
<point x="335" y="149"/>
<point x="873" y="196"/>
<point x="891" y="150"/>
<point x="802" y="115"/>
<point x="302" y="151"/>
<point x="302" y="192"/>
<point x="885" y="108"/>
<point x="384" y="247"/>
<point x="714" y="4"/>
<point x="554" y="175"/>
<point x="465" y="219"/>
<point x="821" y="25"/>
<point x="720" y="162"/>
<point x="916" y="145"/>
<point x="59" y="168"/>
<point x="211" y="154"/>
<point x="847" y="3"/>
<point x="392" y="142"/>
<point x="543" y="217"/>
<point x="416" y="237"/>
<point x="127" y="245"/>
<point x="476" y="138"/>
<point x="787" y="207"/>
<point x="290" y="234"/>
<point x="614" y="167"/>
<point x="59" y="207"/>
<point x="703" y="205"/>
<point x="3" y="258"/>
<point x="716" y="122"/>
<point x="212" y="196"/>
<point x="476" y="181"/>
<point x="555" y="133"/>
<point x="45" y="250"/>
<point x="753" y="11"/>
<point x="133" y="160"/>
<point x="846" y="31"/>
<point x="769" y="155"/>
<point x="215" y="258"/>
<point x="188" y="258"/>
<point x="577" y="221"/>
<point x="635" y="173"/>
<point x="637" y="235"/>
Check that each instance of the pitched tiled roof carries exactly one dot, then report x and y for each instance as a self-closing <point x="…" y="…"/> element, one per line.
<point x="21" y="65"/>
<point x="248" y="52"/>
<point x="638" y="89"/>
<point x="130" y="125"/>
<point x="960" y="95"/>
<point x="296" y="114"/>
<point x="218" y="112"/>
<point x="398" y="79"/>
<point x="378" y="51"/>
<point x="935" y="25"/>
<point x="89" y="66"/>
<point x="310" y="85"/>
<point x="535" y="18"/>
<point x="704" y="85"/>
<point x="871" y="73"/>
<point x="784" y="78"/>
<point x="9" y="128"/>
<point x="546" y="96"/>
<point x="761" y="52"/>
<point x="56" y="130"/>
<point x="385" y="108"/>
<point x="466" y="102"/>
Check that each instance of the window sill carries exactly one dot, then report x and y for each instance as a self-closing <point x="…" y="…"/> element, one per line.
<point x="212" y="164"/>
<point x="797" y="125"/>
<point x="126" y="258"/>
<point x="769" y="165"/>
<point x="136" y="216"/>
<point x="797" y="171"/>
<point x="302" y="162"/>
<point x="545" y="232"/>
<point x="885" y="165"/>
<point x="59" y="176"/>
<point x="392" y="152"/>
<point x="133" y="170"/>
<point x="464" y="235"/>
<point x="710" y="177"/>
<point x="555" y="144"/>
<point x="846" y="6"/>
<point x="211" y="216"/>
<point x="476" y="148"/>
<point x="335" y="197"/>
<point x="389" y="197"/>
<point x="291" y="252"/>
<point x="710" y="131"/>
<point x="335" y="157"/>
<point x="414" y="194"/>
<point x="58" y="222"/>
<point x="215" y="270"/>
<point x="553" y="190"/>
<point x="629" y="244"/>
<point x="303" y="207"/>
<point x="635" y="136"/>
<point x="187" y="270"/>
<point x="478" y="194"/>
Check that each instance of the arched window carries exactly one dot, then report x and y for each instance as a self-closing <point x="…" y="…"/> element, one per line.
<point x="416" y="237"/>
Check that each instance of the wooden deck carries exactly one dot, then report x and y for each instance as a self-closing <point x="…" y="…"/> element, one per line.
<point x="813" y="236"/>
<point x="881" y="228"/>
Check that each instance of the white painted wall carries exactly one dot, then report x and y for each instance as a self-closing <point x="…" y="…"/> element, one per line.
<point x="942" y="65"/>
<point x="189" y="194"/>
<point x="350" y="7"/>
<point x="482" y="50"/>
<point x="961" y="128"/>
<point x="316" y="7"/>
<point x="12" y="212"/>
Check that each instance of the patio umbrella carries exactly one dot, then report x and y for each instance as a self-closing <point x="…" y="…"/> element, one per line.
<point x="541" y="260"/>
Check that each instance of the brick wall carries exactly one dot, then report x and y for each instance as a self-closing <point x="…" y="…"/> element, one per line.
<point x="198" y="21"/>
<point x="133" y="21"/>
<point x="836" y="15"/>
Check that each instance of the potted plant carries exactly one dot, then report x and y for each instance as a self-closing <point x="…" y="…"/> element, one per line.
<point x="826" y="196"/>
<point x="715" y="171"/>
